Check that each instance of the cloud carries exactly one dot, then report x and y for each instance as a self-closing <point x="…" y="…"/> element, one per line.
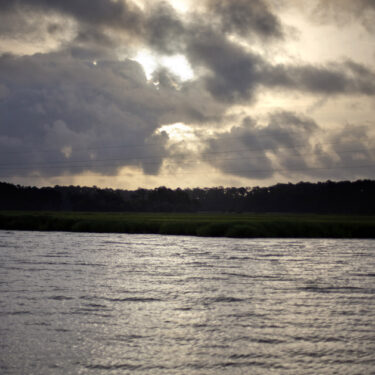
<point x="347" y="78"/>
<point x="228" y="71"/>
<point x="163" y="29"/>
<point x="102" y="22"/>
<point x="254" y="151"/>
<point x="121" y="14"/>
<point x="42" y="26"/>
<point x="22" y="31"/>
<point x="64" y="112"/>
<point x="81" y="101"/>
<point x="246" y="18"/>
<point x="291" y="144"/>
<point x="159" y="19"/>
<point x="232" y="72"/>
<point x="343" y="11"/>
<point x="56" y="102"/>
<point x="354" y="146"/>
<point x="339" y="12"/>
<point x="188" y="102"/>
<point x="234" y="75"/>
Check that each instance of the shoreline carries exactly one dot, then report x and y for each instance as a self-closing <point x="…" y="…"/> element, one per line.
<point x="196" y="224"/>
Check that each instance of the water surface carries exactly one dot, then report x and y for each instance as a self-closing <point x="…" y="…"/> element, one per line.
<point x="74" y="303"/>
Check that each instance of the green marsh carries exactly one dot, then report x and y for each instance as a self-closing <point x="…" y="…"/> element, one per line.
<point x="195" y="224"/>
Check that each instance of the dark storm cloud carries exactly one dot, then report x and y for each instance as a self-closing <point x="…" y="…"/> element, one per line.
<point x="159" y="20"/>
<point x="234" y="75"/>
<point x="91" y="36"/>
<point x="291" y="144"/>
<point x="246" y="18"/>
<point x="254" y="151"/>
<point x="187" y="101"/>
<point x="346" y="78"/>
<point x="23" y="26"/>
<point x="344" y="11"/>
<point x="119" y="14"/>
<point x="85" y="113"/>
<point x="163" y="29"/>
<point x="354" y="146"/>
<point x="105" y="22"/>
<point x="233" y="72"/>
<point x="59" y="103"/>
<point x="157" y="26"/>
<point x="63" y="102"/>
<point x="345" y="153"/>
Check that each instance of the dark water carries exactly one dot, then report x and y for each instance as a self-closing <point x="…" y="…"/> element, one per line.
<point x="147" y="304"/>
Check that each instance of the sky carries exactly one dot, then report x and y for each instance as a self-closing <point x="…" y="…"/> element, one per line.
<point x="181" y="93"/>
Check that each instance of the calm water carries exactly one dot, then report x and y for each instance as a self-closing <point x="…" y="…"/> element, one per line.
<point x="147" y="304"/>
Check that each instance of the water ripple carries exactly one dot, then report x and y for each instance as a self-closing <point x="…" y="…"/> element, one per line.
<point x="74" y="303"/>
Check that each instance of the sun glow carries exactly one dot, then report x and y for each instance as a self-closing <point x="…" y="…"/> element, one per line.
<point x="178" y="132"/>
<point x="177" y="64"/>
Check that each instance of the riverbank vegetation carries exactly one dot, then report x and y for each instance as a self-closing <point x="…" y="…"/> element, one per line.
<point x="328" y="197"/>
<point x="328" y="209"/>
<point x="197" y="224"/>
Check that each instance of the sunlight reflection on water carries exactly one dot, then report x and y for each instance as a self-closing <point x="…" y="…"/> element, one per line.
<point x="111" y="303"/>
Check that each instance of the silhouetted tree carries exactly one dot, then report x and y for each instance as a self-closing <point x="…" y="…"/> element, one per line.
<point x="323" y="197"/>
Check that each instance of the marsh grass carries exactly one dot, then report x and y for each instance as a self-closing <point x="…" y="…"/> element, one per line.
<point x="196" y="224"/>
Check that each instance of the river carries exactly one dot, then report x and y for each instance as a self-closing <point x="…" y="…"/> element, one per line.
<point x="81" y="303"/>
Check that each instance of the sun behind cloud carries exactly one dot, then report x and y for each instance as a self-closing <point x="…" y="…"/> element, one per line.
<point x="225" y="91"/>
<point x="177" y="64"/>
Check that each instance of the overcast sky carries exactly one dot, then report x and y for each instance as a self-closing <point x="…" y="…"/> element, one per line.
<point x="182" y="93"/>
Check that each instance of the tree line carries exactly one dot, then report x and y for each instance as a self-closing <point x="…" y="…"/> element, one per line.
<point x="343" y="197"/>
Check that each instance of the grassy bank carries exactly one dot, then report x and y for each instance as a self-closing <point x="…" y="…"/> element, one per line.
<point x="196" y="224"/>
